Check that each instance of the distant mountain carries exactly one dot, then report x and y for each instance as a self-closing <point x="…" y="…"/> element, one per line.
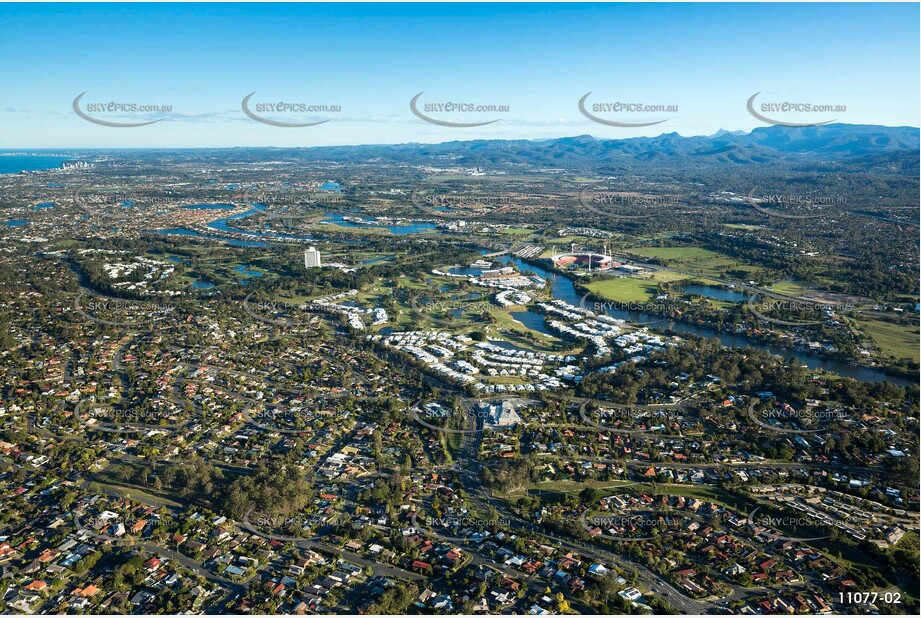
<point x="850" y="139"/>
<point x="842" y="143"/>
<point x="723" y="132"/>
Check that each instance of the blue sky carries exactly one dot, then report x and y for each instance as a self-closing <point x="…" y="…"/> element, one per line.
<point x="371" y="59"/>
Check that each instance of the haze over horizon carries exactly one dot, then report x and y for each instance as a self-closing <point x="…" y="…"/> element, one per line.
<point x="446" y="142"/>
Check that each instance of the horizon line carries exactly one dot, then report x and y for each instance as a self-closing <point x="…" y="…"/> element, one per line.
<point x="533" y="139"/>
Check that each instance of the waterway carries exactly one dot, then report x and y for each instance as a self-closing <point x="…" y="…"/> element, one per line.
<point x="708" y="291"/>
<point x="243" y="270"/>
<point x="222" y="225"/>
<point x="563" y="288"/>
<point x="181" y="231"/>
<point x="415" y="227"/>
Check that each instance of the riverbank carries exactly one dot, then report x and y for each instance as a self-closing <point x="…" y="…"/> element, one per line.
<point x="564" y="288"/>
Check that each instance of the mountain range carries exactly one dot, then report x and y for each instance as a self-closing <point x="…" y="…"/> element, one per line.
<point x="843" y="143"/>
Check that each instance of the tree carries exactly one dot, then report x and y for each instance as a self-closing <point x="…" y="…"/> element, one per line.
<point x="590" y="495"/>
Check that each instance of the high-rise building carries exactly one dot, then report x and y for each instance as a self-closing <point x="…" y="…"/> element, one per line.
<point x="312" y="258"/>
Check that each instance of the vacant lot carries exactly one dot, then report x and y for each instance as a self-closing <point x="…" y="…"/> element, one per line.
<point x="633" y="289"/>
<point x="899" y="340"/>
<point x="696" y="259"/>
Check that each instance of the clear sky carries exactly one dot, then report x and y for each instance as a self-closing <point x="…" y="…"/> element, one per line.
<point x="371" y="59"/>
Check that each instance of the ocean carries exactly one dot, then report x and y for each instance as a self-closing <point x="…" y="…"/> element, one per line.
<point x="15" y="163"/>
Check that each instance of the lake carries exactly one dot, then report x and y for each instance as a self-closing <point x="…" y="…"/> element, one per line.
<point x="533" y="321"/>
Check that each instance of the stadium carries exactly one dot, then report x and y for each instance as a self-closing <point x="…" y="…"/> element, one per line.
<point x="588" y="259"/>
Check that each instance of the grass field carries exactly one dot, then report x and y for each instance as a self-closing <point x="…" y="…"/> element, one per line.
<point x="899" y="340"/>
<point x="517" y="231"/>
<point x="633" y="289"/>
<point x="136" y="492"/>
<point x="694" y="258"/>
<point x="553" y="491"/>
<point x="625" y="289"/>
<point x="789" y="288"/>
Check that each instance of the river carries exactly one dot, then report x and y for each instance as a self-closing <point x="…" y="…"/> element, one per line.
<point x="563" y="288"/>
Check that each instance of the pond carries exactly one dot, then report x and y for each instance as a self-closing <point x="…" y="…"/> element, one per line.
<point x="533" y="321"/>
<point x="243" y="270"/>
